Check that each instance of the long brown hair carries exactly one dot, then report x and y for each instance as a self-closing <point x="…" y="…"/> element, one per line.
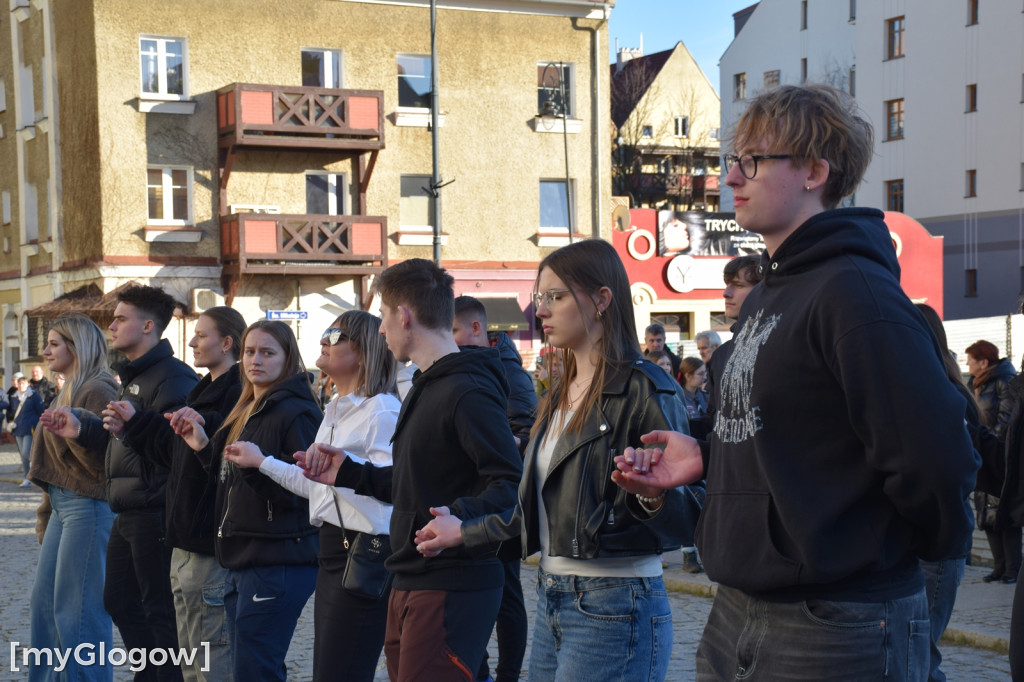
<point x="247" y="403"/>
<point x="585" y="267"/>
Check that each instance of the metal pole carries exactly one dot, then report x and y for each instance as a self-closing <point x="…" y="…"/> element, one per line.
<point x="435" y="183"/>
<point x="565" y="141"/>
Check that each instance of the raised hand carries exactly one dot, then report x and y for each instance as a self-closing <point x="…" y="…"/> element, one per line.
<point x="648" y="471"/>
<point x="188" y="424"/>
<point x="442" y="532"/>
<point x="61" y="422"/>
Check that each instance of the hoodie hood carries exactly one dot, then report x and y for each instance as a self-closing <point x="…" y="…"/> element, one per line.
<point x="830" y="234"/>
<point x="507" y="349"/>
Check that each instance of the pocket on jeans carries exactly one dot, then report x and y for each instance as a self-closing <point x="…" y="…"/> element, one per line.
<point x="919" y="648"/>
<point x="214" y="627"/>
<point x="845" y="614"/>
<point x="613" y="603"/>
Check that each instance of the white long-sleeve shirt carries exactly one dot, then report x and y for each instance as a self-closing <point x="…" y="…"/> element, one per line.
<point x="362" y="427"/>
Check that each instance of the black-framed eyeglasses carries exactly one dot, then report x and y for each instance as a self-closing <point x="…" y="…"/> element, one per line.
<point x="548" y="297"/>
<point x="748" y="162"/>
<point x="334" y="336"/>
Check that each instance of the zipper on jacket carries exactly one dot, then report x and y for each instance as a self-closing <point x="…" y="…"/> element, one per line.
<point x="270" y="511"/>
<point x="611" y="512"/>
<point x="227" y="508"/>
<point x="579" y="507"/>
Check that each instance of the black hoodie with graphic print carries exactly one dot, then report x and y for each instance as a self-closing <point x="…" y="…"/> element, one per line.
<point x="839" y="453"/>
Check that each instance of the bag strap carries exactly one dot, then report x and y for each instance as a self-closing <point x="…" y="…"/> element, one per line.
<point x="334" y="497"/>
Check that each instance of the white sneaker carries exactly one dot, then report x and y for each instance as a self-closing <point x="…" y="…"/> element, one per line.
<point x="26" y="484"/>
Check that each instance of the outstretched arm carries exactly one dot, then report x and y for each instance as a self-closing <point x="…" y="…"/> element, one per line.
<point x="641" y="470"/>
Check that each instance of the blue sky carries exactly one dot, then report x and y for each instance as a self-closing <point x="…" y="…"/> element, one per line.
<point x="704" y="26"/>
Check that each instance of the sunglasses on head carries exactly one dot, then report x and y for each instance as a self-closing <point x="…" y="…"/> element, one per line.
<point x="334" y="336"/>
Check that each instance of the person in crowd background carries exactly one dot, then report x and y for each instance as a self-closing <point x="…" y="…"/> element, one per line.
<point x="452" y="443"/>
<point x="263" y="538"/>
<point x="74" y="520"/>
<point x="942" y="578"/>
<point x="197" y="579"/>
<point x="137" y="586"/>
<point x="42" y="386"/>
<point x="599" y="554"/>
<point x="549" y="370"/>
<point x="815" y="518"/>
<point x="654" y="339"/>
<point x="707" y="343"/>
<point x="469" y="328"/>
<point x="58" y="383"/>
<point x="26" y="407"/>
<point x="1011" y="504"/>
<point x="989" y="380"/>
<point x="692" y="376"/>
<point x="360" y="419"/>
<point x="661" y="359"/>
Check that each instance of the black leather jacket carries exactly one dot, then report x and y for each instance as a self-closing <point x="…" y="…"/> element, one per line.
<point x="589" y="516"/>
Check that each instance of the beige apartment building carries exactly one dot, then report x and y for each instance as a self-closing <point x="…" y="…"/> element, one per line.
<point x="275" y="156"/>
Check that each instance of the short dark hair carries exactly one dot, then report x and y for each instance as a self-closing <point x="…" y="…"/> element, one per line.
<point x="467" y="305"/>
<point x="655" y="329"/>
<point x="153" y="302"/>
<point x="742" y="265"/>
<point x="421" y="286"/>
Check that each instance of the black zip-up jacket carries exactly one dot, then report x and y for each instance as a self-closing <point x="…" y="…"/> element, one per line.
<point x="191" y="487"/>
<point x="589" y="516"/>
<point x="522" y="397"/>
<point x="839" y="453"/>
<point x="259" y="523"/>
<point x="156" y="381"/>
<point x="452" y="447"/>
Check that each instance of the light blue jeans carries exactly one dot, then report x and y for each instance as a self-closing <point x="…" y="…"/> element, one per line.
<point x="67" y="597"/>
<point x="747" y="638"/>
<point x="197" y="583"/>
<point x="25" y="450"/>
<point x="601" y="629"/>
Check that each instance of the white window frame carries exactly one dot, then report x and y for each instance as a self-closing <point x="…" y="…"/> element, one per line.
<point x="569" y="76"/>
<point x="161" y="69"/>
<point x="337" y="191"/>
<point x="571" y="208"/>
<point x="647" y="132"/>
<point x="168" y="195"/>
<point x="410" y="55"/>
<point x="682" y="126"/>
<point x="328" y="65"/>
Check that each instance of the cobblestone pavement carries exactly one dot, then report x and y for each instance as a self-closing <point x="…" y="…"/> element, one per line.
<point x="18" y="553"/>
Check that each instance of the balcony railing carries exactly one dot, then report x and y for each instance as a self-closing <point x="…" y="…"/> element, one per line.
<point x="261" y="243"/>
<point x="300" y="117"/>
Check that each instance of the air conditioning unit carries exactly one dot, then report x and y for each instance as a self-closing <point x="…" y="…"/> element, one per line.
<point x="203" y="299"/>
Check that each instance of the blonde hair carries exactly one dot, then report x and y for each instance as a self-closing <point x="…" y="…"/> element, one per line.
<point x="88" y="347"/>
<point x="378" y="370"/>
<point x="811" y="122"/>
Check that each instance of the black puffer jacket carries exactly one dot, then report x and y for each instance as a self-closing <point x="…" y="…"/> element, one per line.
<point x="522" y="398"/>
<point x="259" y="523"/>
<point x="995" y="401"/>
<point x="191" y="486"/>
<point x="589" y="516"/>
<point x="156" y="381"/>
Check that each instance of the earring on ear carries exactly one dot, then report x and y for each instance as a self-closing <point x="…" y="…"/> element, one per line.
<point x="598" y="313"/>
<point x="807" y="187"/>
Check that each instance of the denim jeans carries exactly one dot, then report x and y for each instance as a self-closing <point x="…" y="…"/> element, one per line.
<point x="941" y="580"/>
<point x="752" y="639"/>
<point x="598" y="629"/>
<point x="263" y="605"/>
<point x="511" y="629"/>
<point x="197" y="584"/>
<point x="137" y="591"/>
<point x="25" y="450"/>
<point x="67" y="597"/>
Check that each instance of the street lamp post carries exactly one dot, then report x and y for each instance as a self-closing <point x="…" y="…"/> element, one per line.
<point x="550" y="108"/>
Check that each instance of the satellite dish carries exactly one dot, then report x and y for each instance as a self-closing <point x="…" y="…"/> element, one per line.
<point x="620" y="218"/>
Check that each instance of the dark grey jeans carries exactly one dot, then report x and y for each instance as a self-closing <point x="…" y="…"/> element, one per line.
<point x="751" y="639"/>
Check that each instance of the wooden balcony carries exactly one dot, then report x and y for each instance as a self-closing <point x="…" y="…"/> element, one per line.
<point x="276" y="116"/>
<point x="275" y="244"/>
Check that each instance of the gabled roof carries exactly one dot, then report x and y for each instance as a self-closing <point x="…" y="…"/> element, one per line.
<point x="636" y="75"/>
